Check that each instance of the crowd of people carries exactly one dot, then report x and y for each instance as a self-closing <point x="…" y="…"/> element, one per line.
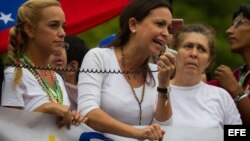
<point x="170" y="91"/>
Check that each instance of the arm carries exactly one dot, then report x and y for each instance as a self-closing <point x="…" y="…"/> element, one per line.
<point x="101" y="121"/>
<point x="90" y="86"/>
<point x="166" y="66"/>
<point x="64" y="113"/>
<point x="243" y="107"/>
<point x="229" y="82"/>
<point x="231" y="113"/>
<point x="13" y="96"/>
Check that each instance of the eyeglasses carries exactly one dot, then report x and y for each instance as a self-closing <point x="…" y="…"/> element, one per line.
<point x="236" y="23"/>
<point x="66" y="45"/>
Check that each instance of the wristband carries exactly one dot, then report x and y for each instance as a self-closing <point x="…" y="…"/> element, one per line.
<point x="240" y="96"/>
<point x="164" y="91"/>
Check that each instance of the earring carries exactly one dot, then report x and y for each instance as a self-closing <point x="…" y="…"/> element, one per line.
<point x="133" y="31"/>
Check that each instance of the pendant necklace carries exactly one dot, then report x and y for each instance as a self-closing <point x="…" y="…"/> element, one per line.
<point x="125" y="66"/>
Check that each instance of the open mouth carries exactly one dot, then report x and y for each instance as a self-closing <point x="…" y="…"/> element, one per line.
<point x="160" y="42"/>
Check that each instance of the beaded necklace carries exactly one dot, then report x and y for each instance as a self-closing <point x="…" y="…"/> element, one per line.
<point x="243" y="75"/>
<point x="55" y="95"/>
<point x="125" y="66"/>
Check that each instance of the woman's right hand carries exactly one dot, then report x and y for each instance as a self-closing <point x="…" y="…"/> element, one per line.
<point x="63" y="113"/>
<point x="64" y="116"/>
<point x="152" y="132"/>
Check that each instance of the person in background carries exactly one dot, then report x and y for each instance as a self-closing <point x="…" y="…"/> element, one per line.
<point x="38" y="34"/>
<point x="237" y="82"/>
<point x="195" y="103"/>
<point x="58" y="60"/>
<point x="70" y="59"/>
<point x="116" y="102"/>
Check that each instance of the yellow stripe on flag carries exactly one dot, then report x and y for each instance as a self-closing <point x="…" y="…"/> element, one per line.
<point x="52" y="137"/>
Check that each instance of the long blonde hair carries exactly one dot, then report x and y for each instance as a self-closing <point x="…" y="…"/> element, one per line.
<point x="28" y="13"/>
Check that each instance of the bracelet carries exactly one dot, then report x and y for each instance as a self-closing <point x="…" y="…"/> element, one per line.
<point x="240" y="96"/>
<point x="164" y="92"/>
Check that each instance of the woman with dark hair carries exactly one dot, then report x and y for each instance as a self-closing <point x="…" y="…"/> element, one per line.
<point x="237" y="82"/>
<point x="115" y="102"/>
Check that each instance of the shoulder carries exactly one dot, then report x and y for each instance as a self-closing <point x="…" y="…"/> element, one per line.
<point x="100" y="57"/>
<point x="10" y="72"/>
<point x="100" y="51"/>
<point x="216" y="90"/>
<point x="99" y="54"/>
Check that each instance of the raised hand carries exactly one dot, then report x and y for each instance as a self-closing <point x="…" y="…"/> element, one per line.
<point x="166" y="67"/>
<point x="226" y="77"/>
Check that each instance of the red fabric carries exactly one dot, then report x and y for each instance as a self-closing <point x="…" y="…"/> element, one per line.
<point x="214" y="83"/>
<point x="4" y="39"/>
<point x="236" y="75"/>
<point x="81" y="15"/>
<point x="84" y="14"/>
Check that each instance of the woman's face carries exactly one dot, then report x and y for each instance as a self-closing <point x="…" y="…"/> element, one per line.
<point x="152" y="33"/>
<point x="239" y="33"/>
<point x="58" y="59"/>
<point x="193" y="54"/>
<point x="49" y="33"/>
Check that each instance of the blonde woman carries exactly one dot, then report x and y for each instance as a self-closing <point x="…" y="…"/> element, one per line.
<point x="39" y="33"/>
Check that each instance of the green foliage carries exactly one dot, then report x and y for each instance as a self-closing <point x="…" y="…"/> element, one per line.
<point x="215" y="13"/>
<point x="94" y="35"/>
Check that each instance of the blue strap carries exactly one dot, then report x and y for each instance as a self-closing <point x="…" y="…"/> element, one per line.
<point x="87" y="136"/>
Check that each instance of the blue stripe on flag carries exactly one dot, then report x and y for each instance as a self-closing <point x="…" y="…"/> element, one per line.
<point x="8" y="13"/>
<point x="87" y="136"/>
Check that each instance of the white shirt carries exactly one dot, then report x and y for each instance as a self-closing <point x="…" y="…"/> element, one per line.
<point x="111" y="92"/>
<point x="203" y="105"/>
<point x="28" y="94"/>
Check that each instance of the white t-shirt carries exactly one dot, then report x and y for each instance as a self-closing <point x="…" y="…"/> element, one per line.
<point x="111" y="92"/>
<point x="28" y="94"/>
<point x="203" y="105"/>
